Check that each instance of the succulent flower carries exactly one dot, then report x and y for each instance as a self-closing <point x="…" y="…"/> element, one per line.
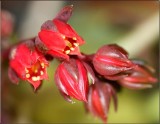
<point x="112" y="62"/>
<point x="28" y="64"/>
<point x="58" y="38"/>
<point x="99" y="97"/>
<point x="72" y="79"/>
<point x="141" y="77"/>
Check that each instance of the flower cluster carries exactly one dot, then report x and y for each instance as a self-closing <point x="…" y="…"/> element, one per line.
<point x="88" y="78"/>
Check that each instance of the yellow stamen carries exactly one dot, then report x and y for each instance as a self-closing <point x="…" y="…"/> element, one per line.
<point x="35" y="70"/>
<point x="63" y="37"/>
<point x="41" y="72"/>
<point x="74" y="38"/>
<point x="67" y="51"/>
<point x="27" y="75"/>
<point x="72" y="48"/>
<point x="26" y="70"/>
<point x="76" y="44"/>
<point x="42" y="64"/>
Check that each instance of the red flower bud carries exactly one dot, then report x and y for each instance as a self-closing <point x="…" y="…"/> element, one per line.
<point x="72" y="79"/>
<point x="112" y="62"/>
<point x="99" y="97"/>
<point x="141" y="77"/>
<point x="58" y="39"/>
<point x="28" y="64"/>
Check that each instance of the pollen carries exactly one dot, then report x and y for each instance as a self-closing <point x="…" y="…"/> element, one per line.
<point x="34" y="78"/>
<point x="41" y="72"/>
<point x="26" y="70"/>
<point x="63" y="37"/>
<point x="72" y="48"/>
<point x="35" y="70"/>
<point x="74" y="38"/>
<point x="27" y="75"/>
<point x="67" y="51"/>
<point x="42" y="64"/>
<point x="76" y="44"/>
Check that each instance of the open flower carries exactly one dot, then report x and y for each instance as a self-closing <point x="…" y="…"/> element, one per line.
<point x="58" y="39"/>
<point x="28" y="64"/>
<point x="99" y="97"/>
<point x="112" y="62"/>
<point x="72" y="79"/>
<point x="141" y="77"/>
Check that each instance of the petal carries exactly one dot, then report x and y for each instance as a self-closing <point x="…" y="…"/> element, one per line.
<point x="135" y="86"/>
<point x="35" y="84"/>
<point x="13" y="76"/>
<point x="48" y="25"/>
<point x="18" y="68"/>
<point x="52" y="40"/>
<point x="90" y="72"/>
<point x="69" y="83"/>
<point x="83" y="81"/>
<point x="67" y="30"/>
<point x="76" y="51"/>
<point x="58" y="54"/>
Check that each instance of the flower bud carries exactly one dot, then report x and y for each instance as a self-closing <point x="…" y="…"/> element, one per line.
<point x="141" y="77"/>
<point x="112" y="62"/>
<point x="72" y="79"/>
<point x="99" y="97"/>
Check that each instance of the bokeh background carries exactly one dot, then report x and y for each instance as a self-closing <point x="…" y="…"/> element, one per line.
<point x="132" y="24"/>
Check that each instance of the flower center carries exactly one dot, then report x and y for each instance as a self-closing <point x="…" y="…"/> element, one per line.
<point x="36" y="71"/>
<point x="71" y="44"/>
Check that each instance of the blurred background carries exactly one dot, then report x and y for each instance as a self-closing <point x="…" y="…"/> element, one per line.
<point x="134" y="25"/>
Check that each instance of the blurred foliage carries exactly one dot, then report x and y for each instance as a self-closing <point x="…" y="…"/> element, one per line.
<point x="98" y="23"/>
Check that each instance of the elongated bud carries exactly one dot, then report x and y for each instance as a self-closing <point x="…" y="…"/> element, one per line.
<point x="141" y="77"/>
<point x="99" y="97"/>
<point x="71" y="79"/>
<point x="112" y="62"/>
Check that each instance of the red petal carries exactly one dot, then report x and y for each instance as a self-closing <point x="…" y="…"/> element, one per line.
<point x="67" y="30"/>
<point x="52" y="40"/>
<point x="13" y="76"/>
<point x="69" y="82"/>
<point x="58" y="54"/>
<point x="83" y="81"/>
<point x="35" y="84"/>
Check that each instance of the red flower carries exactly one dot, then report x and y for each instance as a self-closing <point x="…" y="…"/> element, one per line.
<point x="58" y="39"/>
<point x="71" y="78"/>
<point x="112" y="62"/>
<point x="99" y="97"/>
<point x="28" y="64"/>
<point x="141" y="77"/>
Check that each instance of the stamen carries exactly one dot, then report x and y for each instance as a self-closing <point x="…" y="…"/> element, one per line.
<point x="35" y="70"/>
<point x="42" y="64"/>
<point x="27" y="75"/>
<point x="76" y="44"/>
<point x="67" y="51"/>
<point x="63" y="37"/>
<point x="41" y="72"/>
<point x="26" y="70"/>
<point x="72" y="48"/>
<point x="74" y="38"/>
<point x="38" y="78"/>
